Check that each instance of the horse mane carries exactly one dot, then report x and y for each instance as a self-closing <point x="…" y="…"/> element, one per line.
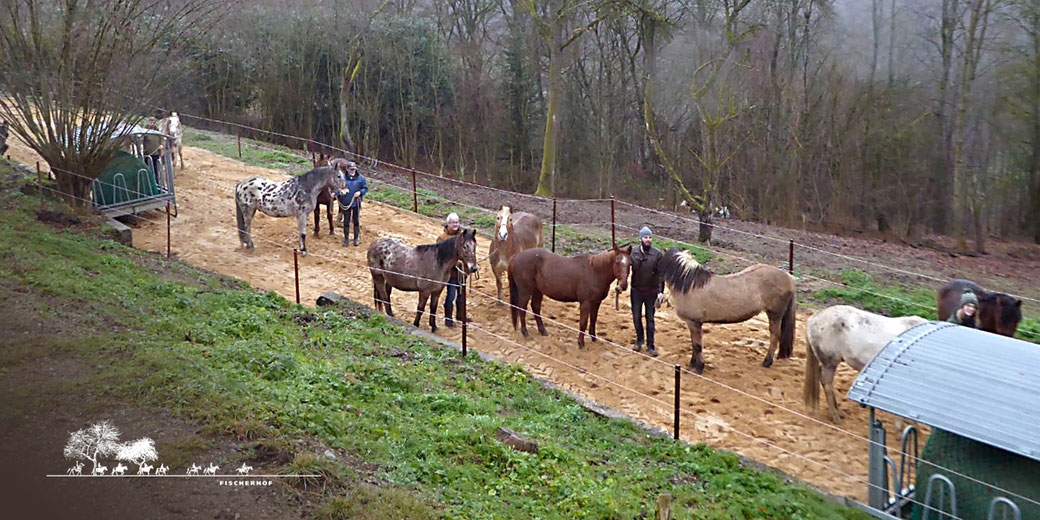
<point x="682" y="271"/>
<point x="445" y="249"/>
<point x="312" y="178"/>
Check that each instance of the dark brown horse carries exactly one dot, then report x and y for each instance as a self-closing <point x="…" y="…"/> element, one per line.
<point x="324" y="198"/>
<point x="423" y="269"/>
<point x="534" y="273"/>
<point x="999" y="313"/>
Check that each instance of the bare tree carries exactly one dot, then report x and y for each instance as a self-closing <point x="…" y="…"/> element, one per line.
<point x="78" y="73"/>
<point x="99" y="440"/>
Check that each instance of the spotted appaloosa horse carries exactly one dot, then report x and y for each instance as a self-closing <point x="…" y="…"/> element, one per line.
<point x="425" y="269"/>
<point x="295" y="197"/>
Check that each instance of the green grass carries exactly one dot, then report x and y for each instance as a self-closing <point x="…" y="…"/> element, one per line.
<point x="251" y="366"/>
<point x="277" y="157"/>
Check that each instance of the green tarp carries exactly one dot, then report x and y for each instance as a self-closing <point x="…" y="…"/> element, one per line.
<point x="126" y="179"/>
<point x="1006" y="470"/>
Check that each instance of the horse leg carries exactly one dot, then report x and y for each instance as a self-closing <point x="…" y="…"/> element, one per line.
<point x="696" y="360"/>
<point x="583" y="322"/>
<point x="536" y="308"/>
<point x="521" y="301"/>
<point x="301" y="224"/>
<point x="827" y="379"/>
<point x="328" y="214"/>
<point x="423" y="296"/>
<point x="434" y="298"/>
<point x="317" y="220"/>
<point x="498" y="283"/>
<point x="592" y="320"/>
<point x="376" y="294"/>
<point x="387" y="289"/>
<point x="774" y="337"/>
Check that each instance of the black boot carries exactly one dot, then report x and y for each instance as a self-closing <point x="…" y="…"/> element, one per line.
<point x="652" y="350"/>
<point x="447" y="317"/>
<point x="638" y="346"/>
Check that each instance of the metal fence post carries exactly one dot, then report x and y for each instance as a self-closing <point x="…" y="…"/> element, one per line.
<point x="238" y="133"/>
<point x="167" y="230"/>
<point x="296" y="272"/>
<point x="613" y="233"/>
<point x="790" y="257"/>
<point x="675" y="433"/>
<point x="465" y="314"/>
<point x="554" y="226"/>
<point x="415" y="194"/>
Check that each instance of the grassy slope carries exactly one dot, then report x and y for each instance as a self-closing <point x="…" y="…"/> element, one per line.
<point x="422" y="420"/>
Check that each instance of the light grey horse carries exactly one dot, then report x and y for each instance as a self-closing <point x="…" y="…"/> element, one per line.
<point x="423" y="269"/>
<point x="296" y="197"/>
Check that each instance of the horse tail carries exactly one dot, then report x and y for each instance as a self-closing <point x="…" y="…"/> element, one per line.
<point x="240" y="217"/>
<point x="811" y="388"/>
<point x="514" y="297"/>
<point x="787" y="330"/>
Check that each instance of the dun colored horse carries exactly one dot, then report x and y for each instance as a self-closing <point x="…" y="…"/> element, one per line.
<point x="844" y="333"/>
<point x="293" y="198"/>
<point x="701" y="296"/>
<point x="534" y="273"/>
<point x="424" y="269"/>
<point x="999" y="313"/>
<point x="514" y="232"/>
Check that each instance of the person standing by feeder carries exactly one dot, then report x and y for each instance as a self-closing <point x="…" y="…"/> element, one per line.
<point x="647" y="288"/>
<point x="350" y="201"/>
<point x="452" y="226"/>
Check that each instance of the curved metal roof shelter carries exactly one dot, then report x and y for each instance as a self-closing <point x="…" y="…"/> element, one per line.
<point x="976" y="384"/>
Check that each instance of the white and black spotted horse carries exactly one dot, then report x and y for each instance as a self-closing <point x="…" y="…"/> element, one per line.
<point x="296" y="197"/>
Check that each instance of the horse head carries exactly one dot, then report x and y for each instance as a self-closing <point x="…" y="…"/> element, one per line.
<point x="1000" y="313"/>
<point x="622" y="266"/>
<point x="466" y="249"/>
<point x="503" y="223"/>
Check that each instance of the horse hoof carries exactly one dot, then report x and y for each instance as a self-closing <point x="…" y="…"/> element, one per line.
<point x="433" y="328"/>
<point x="543" y="332"/>
<point x="526" y="335"/>
<point x="768" y="362"/>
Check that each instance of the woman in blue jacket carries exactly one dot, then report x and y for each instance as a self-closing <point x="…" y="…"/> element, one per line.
<point x="350" y="201"/>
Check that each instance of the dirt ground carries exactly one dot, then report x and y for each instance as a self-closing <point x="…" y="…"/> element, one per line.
<point x="204" y="235"/>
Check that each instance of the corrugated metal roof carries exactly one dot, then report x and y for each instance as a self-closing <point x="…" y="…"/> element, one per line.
<point x="976" y="384"/>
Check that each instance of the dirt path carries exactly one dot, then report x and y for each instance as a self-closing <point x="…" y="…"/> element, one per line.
<point x="204" y="235"/>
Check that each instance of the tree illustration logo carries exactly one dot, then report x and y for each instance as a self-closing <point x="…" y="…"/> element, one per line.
<point x="101" y="440"/>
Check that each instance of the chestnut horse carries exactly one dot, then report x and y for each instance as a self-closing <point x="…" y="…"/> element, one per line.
<point x="534" y="273"/>
<point x="999" y="313"/>
<point x="514" y="232"/>
<point x="702" y="297"/>
<point x="423" y="269"/>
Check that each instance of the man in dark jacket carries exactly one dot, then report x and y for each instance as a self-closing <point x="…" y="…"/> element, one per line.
<point x="350" y="201"/>
<point x="647" y="287"/>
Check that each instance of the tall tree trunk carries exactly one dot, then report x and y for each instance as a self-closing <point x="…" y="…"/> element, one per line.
<point x="547" y="175"/>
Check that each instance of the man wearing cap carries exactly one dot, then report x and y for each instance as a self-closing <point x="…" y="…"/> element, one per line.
<point x="451" y="228"/>
<point x="647" y="287"/>
<point x="967" y="313"/>
<point x="350" y="201"/>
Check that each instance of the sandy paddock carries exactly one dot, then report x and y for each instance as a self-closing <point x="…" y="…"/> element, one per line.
<point x="204" y="235"/>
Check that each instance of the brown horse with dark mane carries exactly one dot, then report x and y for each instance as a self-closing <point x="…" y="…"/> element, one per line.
<point x="424" y="269"/>
<point x="325" y="198"/>
<point x="999" y="313"/>
<point x="534" y="273"/>
<point x="702" y="296"/>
